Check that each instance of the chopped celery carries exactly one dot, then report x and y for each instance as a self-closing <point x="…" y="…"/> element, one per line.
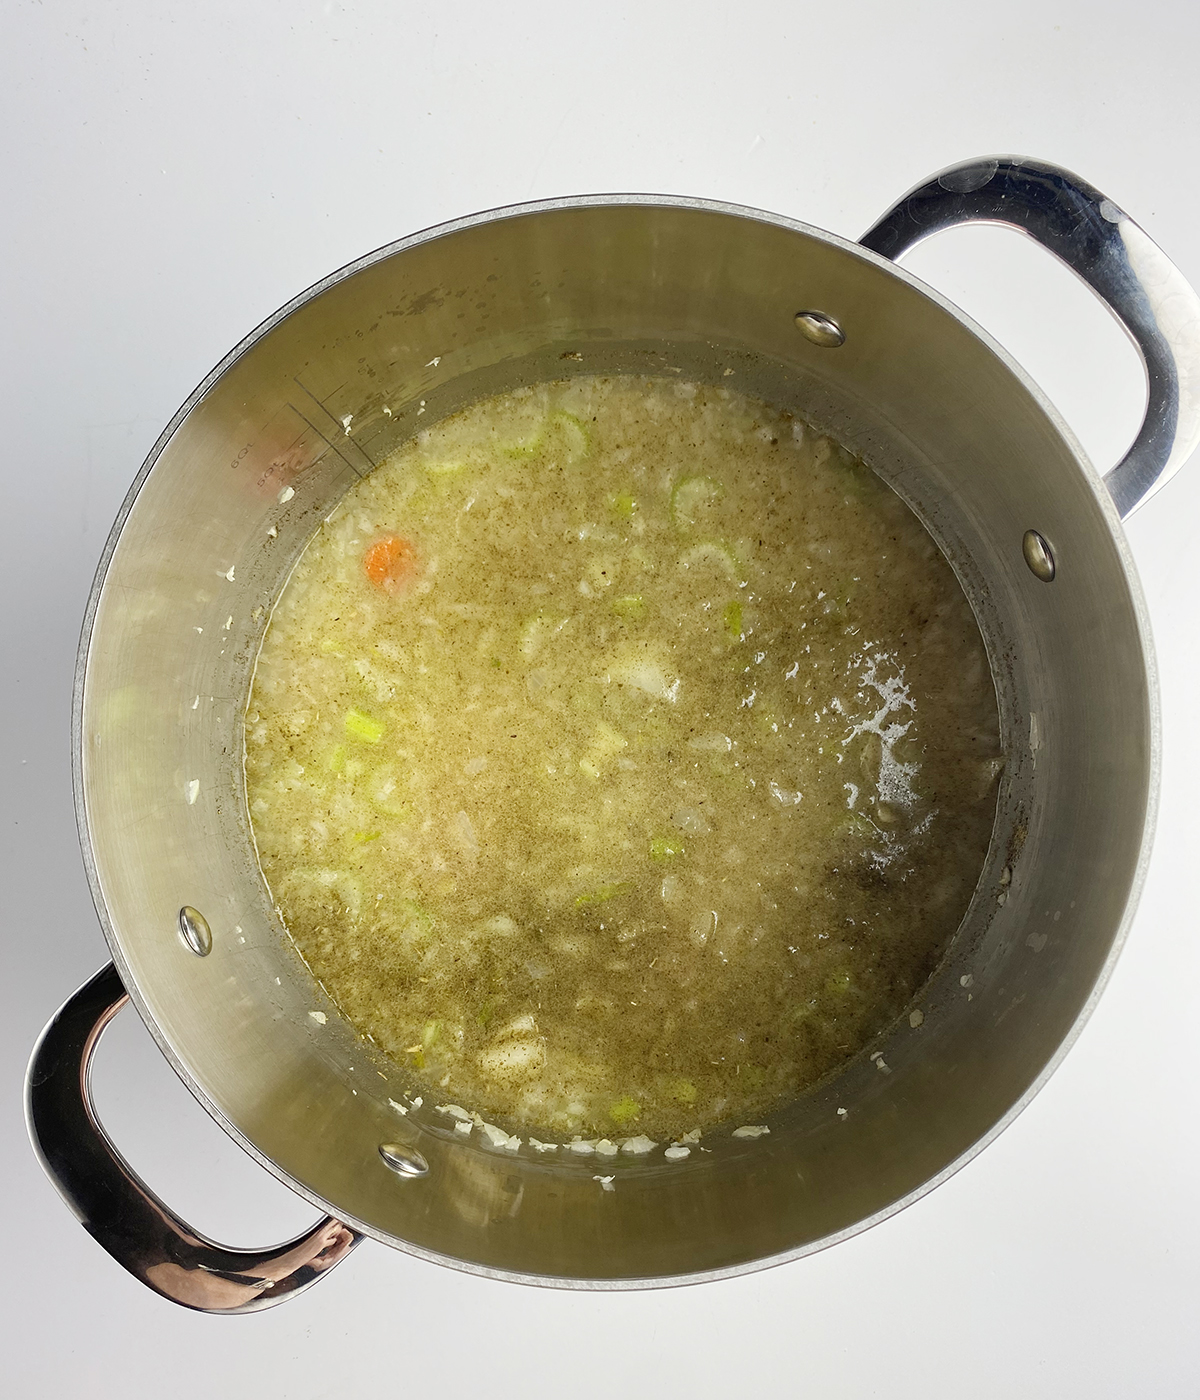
<point x="335" y="760"/>
<point x="839" y="984"/>
<point x="573" y="433"/>
<point x="692" y="500"/>
<point x="430" y="1033"/>
<point x="361" y="726"/>
<point x="560" y="432"/>
<point x="365" y="836"/>
<point x="665" y="847"/>
<point x="683" y="1091"/>
<point x="625" y="1111"/>
<point x="486" y="1014"/>
<point x="632" y="607"/>
<point x="603" y="893"/>
<point x="447" y="466"/>
<point x="733" y="621"/>
<point x="524" y="447"/>
<point x="715" y="556"/>
<point x="496" y="662"/>
<point x="623" y="504"/>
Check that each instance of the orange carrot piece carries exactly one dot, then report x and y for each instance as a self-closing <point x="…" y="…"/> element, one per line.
<point x="391" y="563"/>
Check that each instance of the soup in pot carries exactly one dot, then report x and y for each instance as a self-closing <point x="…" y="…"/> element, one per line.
<point x="622" y="757"/>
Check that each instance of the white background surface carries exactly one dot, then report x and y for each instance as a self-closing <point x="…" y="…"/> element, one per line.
<point x="171" y="175"/>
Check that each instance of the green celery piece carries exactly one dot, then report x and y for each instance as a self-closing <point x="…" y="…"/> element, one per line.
<point x="683" y="1091"/>
<point x="689" y="499"/>
<point x="666" y="847"/>
<point x="632" y="607"/>
<point x="361" y="726"/>
<point x="447" y="467"/>
<point x="558" y="427"/>
<point x="625" y="1111"/>
<point x="430" y="1034"/>
<point x="624" y="504"/>
<point x="604" y="893"/>
<point x="715" y="555"/>
<point x="365" y="836"/>
<point x="733" y="621"/>
<point x="573" y="432"/>
<point x="525" y="447"/>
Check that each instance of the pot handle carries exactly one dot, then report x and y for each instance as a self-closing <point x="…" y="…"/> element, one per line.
<point x="1099" y="242"/>
<point x="120" y="1211"/>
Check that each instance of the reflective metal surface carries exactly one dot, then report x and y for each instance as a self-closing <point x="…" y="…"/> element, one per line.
<point x="1114" y="256"/>
<point x="403" y="1160"/>
<point x="195" y="932"/>
<point x="1039" y="556"/>
<point x="820" y="329"/>
<point x="333" y="383"/>
<point x="120" y="1211"/>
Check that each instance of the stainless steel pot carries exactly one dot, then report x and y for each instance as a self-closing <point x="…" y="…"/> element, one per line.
<point x="314" y="399"/>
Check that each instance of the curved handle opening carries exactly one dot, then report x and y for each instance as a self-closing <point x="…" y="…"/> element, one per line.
<point x="120" y="1211"/>
<point x="1102" y="245"/>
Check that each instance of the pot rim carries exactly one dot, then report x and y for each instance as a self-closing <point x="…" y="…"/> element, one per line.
<point x="550" y="206"/>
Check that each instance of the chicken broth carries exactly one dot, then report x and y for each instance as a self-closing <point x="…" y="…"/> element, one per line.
<point x="622" y="756"/>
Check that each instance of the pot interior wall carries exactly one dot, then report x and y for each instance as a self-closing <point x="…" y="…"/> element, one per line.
<point x="297" y="414"/>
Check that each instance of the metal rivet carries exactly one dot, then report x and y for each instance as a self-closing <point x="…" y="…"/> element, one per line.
<point x="820" y="329"/>
<point x="1039" y="556"/>
<point x="404" y="1161"/>
<point x="195" y="932"/>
